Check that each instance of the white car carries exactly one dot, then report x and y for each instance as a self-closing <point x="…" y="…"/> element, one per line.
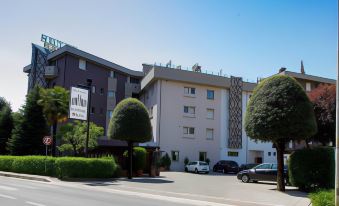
<point x="197" y="167"/>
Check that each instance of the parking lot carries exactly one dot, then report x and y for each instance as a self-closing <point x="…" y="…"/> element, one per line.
<point x="213" y="187"/>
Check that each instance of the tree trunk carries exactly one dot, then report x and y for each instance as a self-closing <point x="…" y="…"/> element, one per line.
<point x="280" y="159"/>
<point x="54" y="129"/>
<point x="130" y="159"/>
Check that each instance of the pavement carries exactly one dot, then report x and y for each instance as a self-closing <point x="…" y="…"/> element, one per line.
<point x="172" y="188"/>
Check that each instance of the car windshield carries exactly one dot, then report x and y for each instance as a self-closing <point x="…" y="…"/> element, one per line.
<point x="233" y="164"/>
<point x="203" y="163"/>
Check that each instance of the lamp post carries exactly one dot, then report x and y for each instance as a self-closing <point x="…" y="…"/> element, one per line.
<point x="88" y="87"/>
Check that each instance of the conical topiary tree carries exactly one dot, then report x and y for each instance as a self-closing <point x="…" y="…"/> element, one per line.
<point x="130" y="122"/>
<point x="279" y="111"/>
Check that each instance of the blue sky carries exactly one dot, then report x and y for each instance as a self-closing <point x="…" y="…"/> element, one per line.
<point x="242" y="37"/>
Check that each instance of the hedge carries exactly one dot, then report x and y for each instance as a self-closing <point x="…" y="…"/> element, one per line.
<point x="322" y="198"/>
<point x="139" y="158"/>
<point x="311" y="169"/>
<point x="63" y="167"/>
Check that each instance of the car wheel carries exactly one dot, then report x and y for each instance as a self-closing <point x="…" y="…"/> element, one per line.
<point x="245" y="178"/>
<point x="207" y="172"/>
<point x="224" y="171"/>
<point x="196" y="171"/>
<point x="214" y="169"/>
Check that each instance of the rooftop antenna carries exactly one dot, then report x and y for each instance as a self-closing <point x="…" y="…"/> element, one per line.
<point x="169" y="64"/>
<point x="196" y="68"/>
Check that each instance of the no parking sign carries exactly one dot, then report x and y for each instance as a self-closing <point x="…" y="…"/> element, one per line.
<point x="47" y="140"/>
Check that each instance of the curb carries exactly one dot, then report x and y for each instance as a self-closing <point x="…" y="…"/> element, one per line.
<point x="25" y="176"/>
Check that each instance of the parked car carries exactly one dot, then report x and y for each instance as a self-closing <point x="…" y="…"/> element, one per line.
<point x="246" y="166"/>
<point x="226" y="166"/>
<point x="197" y="167"/>
<point x="262" y="172"/>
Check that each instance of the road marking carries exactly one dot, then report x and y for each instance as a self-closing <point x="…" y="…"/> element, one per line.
<point x="34" y="203"/>
<point x="203" y="196"/>
<point x="7" y="196"/>
<point x="2" y="187"/>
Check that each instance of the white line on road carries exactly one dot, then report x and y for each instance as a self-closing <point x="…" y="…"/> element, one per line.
<point x="34" y="203"/>
<point x="7" y="196"/>
<point x="2" y="187"/>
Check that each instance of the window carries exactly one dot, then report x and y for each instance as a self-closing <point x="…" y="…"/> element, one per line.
<point x="210" y="113"/>
<point x="82" y="64"/>
<point x="202" y="156"/>
<point x="263" y="166"/>
<point x="111" y="94"/>
<point x="134" y="80"/>
<point x="93" y="110"/>
<point x="308" y="86"/>
<point x="93" y="89"/>
<point x="112" y="74"/>
<point x="110" y="114"/>
<point x="189" y="91"/>
<point x="233" y="154"/>
<point x="269" y="153"/>
<point x="210" y="94"/>
<point x="175" y="156"/>
<point x="189" y="130"/>
<point x="189" y="111"/>
<point x="209" y="134"/>
<point x="101" y="91"/>
<point x="274" y="153"/>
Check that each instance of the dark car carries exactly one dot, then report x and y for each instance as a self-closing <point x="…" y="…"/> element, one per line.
<point x="262" y="172"/>
<point x="226" y="166"/>
<point x="247" y="166"/>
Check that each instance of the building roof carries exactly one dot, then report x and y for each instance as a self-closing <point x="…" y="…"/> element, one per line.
<point x="164" y="73"/>
<point x="77" y="52"/>
<point x="308" y="77"/>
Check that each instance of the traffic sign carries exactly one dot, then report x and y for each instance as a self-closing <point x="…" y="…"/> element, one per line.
<point x="47" y="140"/>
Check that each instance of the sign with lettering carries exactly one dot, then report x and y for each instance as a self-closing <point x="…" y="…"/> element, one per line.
<point x="51" y="43"/>
<point x="78" y="104"/>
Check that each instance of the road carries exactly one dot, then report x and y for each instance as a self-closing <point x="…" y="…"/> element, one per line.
<point x="17" y="192"/>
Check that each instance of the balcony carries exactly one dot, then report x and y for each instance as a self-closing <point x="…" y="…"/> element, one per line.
<point x="131" y="88"/>
<point x="51" y="72"/>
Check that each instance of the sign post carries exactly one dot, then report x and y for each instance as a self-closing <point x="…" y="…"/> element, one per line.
<point x="80" y="104"/>
<point x="47" y="140"/>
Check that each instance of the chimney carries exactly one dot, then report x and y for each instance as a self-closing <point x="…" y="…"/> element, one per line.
<point x="302" y="70"/>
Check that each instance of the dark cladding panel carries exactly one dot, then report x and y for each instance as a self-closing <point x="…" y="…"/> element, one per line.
<point x="120" y="93"/>
<point x="38" y="63"/>
<point x="235" y="113"/>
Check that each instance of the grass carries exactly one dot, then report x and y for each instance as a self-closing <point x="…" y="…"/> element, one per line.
<point x="322" y="197"/>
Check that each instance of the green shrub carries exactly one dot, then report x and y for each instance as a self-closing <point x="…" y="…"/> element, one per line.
<point x="139" y="158"/>
<point x="310" y="169"/>
<point x="165" y="161"/>
<point x="322" y="198"/>
<point x="63" y="167"/>
<point x="78" y="167"/>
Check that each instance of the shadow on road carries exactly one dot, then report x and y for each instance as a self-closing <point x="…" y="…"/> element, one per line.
<point x="147" y="180"/>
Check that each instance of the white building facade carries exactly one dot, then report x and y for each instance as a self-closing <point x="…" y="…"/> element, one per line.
<point x="200" y="116"/>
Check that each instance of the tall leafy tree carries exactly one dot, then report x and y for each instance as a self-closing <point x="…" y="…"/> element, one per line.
<point x="324" y="105"/>
<point x="30" y="128"/>
<point x="73" y="136"/>
<point x="6" y="124"/>
<point x="279" y="111"/>
<point x="130" y="122"/>
<point x="54" y="102"/>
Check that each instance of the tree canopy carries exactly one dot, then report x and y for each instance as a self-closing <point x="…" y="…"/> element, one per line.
<point x="130" y="122"/>
<point x="30" y="128"/>
<point x="73" y="136"/>
<point x="323" y="99"/>
<point x="279" y="109"/>
<point x="6" y="124"/>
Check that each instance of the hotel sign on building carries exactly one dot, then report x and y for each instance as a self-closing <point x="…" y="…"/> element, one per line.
<point x="78" y="104"/>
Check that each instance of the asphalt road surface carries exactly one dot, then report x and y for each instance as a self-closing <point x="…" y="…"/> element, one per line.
<point x="17" y="192"/>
